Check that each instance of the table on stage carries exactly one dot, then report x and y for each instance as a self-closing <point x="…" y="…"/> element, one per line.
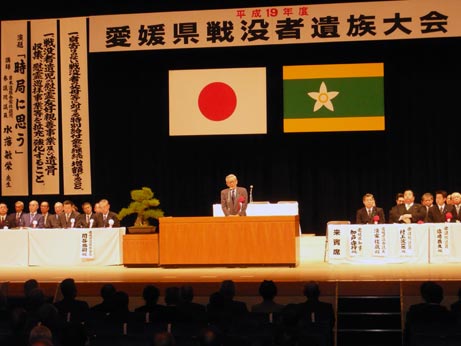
<point x="14" y="247"/>
<point x="265" y="209"/>
<point x="61" y="247"/>
<point x="383" y="243"/>
<point x="250" y="240"/>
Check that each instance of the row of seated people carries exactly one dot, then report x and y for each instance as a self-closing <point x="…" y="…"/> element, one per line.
<point x="66" y="215"/>
<point x="73" y="322"/>
<point x="406" y="210"/>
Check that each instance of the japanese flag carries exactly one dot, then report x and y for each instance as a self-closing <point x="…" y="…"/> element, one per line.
<point x="218" y="101"/>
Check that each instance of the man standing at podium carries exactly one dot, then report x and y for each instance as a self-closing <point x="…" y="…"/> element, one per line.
<point x="234" y="199"/>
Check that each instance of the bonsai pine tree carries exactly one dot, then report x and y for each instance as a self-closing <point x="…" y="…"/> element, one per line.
<point x="144" y="205"/>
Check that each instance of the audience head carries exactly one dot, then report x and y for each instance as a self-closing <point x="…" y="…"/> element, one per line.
<point x="172" y="295"/>
<point x="449" y="199"/>
<point x="68" y="288"/>
<point x="36" y="298"/>
<point x="209" y="336"/>
<point x="431" y="292"/>
<point x="187" y="294"/>
<point x="312" y="290"/>
<point x="268" y="289"/>
<point x="164" y="339"/>
<point x="121" y="301"/>
<point x="151" y="293"/>
<point x="107" y="291"/>
<point x="40" y="336"/>
<point x="227" y="289"/>
<point x="29" y="285"/>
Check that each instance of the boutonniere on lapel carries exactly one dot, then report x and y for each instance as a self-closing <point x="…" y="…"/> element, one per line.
<point x="241" y="200"/>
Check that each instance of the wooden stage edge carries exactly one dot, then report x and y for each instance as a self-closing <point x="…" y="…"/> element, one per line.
<point x="334" y="279"/>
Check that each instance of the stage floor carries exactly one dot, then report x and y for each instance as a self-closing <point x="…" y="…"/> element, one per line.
<point x="206" y="280"/>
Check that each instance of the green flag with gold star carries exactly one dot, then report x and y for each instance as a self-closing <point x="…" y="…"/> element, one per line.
<point x="328" y="98"/>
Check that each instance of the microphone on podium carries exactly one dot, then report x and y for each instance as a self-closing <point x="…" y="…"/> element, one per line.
<point x="251" y="194"/>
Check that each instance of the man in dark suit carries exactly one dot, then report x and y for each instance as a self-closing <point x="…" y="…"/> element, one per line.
<point x="32" y="219"/>
<point x="107" y="218"/>
<point x="393" y="214"/>
<point x="4" y="222"/>
<point x="369" y="213"/>
<point x="53" y="220"/>
<point x="68" y="216"/>
<point x="87" y="219"/>
<point x="439" y="211"/>
<point x="427" y="201"/>
<point x="410" y="212"/>
<point x="315" y="312"/>
<point x="429" y="316"/>
<point x="14" y="219"/>
<point x="234" y="199"/>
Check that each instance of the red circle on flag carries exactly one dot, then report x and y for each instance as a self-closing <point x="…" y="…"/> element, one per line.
<point x="217" y="101"/>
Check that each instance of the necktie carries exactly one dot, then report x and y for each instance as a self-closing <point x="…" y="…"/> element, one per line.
<point x="67" y="217"/>
<point x="104" y="218"/>
<point x="87" y="218"/>
<point x="233" y="196"/>
<point x="369" y="212"/>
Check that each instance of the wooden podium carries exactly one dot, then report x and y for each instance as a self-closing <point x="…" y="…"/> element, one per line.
<point x="248" y="240"/>
<point x="140" y="249"/>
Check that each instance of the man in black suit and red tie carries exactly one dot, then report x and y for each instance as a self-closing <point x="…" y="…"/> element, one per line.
<point x="441" y="211"/>
<point x="369" y="213"/>
<point x="234" y="199"/>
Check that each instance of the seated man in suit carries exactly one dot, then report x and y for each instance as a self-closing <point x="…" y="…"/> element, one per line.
<point x="369" y="213"/>
<point x="14" y="219"/>
<point x="456" y="203"/>
<point x="410" y="212"/>
<point x="427" y="201"/>
<point x="4" y="222"/>
<point x="53" y="220"/>
<point x="441" y="211"/>
<point x="107" y="218"/>
<point x="87" y="219"/>
<point x="393" y="214"/>
<point x="68" y="216"/>
<point x="32" y="219"/>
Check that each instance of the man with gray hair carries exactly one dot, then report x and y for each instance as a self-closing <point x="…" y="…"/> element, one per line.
<point x="234" y="199"/>
<point x="456" y="200"/>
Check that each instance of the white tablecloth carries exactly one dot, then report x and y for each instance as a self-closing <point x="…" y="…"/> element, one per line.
<point x="445" y="243"/>
<point x="378" y="244"/>
<point x="264" y="209"/>
<point x="14" y="248"/>
<point x="61" y="247"/>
